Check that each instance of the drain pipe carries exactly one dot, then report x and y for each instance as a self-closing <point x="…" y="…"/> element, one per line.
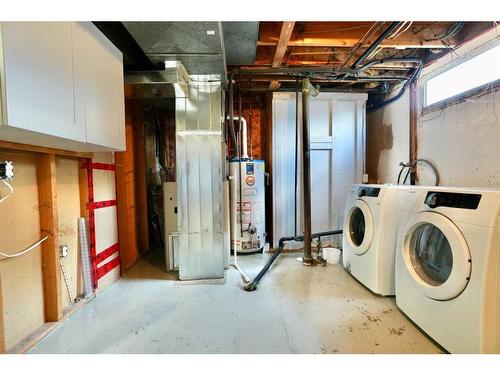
<point x="307" y="89"/>
<point x="251" y="286"/>
<point x="231" y="113"/>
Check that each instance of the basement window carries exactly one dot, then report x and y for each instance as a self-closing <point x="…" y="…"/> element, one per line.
<point x="469" y="75"/>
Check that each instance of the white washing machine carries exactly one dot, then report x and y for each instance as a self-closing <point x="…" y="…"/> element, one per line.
<point x="370" y="233"/>
<point x="448" y="266"/>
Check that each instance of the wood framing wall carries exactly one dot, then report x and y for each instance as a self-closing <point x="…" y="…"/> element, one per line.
<point x="49" y="196"/>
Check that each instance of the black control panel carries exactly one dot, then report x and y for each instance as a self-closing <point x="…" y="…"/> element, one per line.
<point x="456" y="200"/>
<point x="366" y="191"/>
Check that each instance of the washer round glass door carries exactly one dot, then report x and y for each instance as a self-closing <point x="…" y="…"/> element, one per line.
<point x="436" y="255"/>
<point x="358" y="227"/>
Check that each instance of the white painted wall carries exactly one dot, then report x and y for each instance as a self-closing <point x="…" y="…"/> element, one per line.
<point x="388" y="140"/>
<point x="463" y="141"/>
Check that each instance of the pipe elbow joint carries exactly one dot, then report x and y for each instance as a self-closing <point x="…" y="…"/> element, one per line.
<point x="250" y="287"/>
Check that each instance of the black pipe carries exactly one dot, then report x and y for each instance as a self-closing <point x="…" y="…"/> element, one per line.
<point x="250" y="287"/>
<point x="306" y="170"/>
<point x="410" y="80"/>
<point x="375" y="44"/>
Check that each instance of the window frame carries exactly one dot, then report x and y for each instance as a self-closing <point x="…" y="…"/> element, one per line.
<point x="486" y="88"/>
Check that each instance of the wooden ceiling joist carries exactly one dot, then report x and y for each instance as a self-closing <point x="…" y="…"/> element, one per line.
<point x="281" y="47"/>
<point x="321" y="34"/>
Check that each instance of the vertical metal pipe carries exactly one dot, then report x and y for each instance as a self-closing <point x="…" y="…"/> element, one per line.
<point x="306" y="165"/>
<point x="231" y="113"/>
<point x="240" y="110"/>
<point x="251" y="118"/>
<point x="296" y="153"/>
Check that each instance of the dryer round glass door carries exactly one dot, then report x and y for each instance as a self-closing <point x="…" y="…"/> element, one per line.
<point x="358" y="227"/>
<point x="436" y="255"/>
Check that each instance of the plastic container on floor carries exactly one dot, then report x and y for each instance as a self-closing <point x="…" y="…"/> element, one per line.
<point x="331" y="255"/>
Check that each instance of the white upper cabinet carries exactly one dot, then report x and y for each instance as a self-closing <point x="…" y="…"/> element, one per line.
<point x="61" y="86"/>
<point x="99" y="89"/>
<point x="38" y="67"/>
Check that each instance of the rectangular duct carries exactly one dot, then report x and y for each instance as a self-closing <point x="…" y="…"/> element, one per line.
<point x="158" y="84"/>
<point x="199" y="153"/>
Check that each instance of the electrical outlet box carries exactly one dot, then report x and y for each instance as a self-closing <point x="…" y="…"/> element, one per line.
<point x="63" y="251"/>
<point x="365" y="178"/>
<point x="6" y="170"/>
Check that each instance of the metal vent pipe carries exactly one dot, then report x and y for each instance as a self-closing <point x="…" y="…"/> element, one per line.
<point x="307" y="89"/>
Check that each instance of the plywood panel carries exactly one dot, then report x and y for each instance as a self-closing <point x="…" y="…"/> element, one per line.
<point x="104" y="185"/>
<point x="68" y="195"/>
<point x="22" y="276"/>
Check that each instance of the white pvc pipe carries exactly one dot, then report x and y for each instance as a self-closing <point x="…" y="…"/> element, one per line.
<point x="243" y="137"/>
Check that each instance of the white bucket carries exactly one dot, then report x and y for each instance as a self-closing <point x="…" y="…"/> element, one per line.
<point x="331" y="255"/>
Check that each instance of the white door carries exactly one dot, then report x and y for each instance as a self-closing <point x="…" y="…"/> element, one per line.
<point x="337" y="159"/>
<point x="436" y="256"/>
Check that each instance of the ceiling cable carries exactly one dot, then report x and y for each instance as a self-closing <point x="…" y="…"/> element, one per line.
<point x="373" y="29"/>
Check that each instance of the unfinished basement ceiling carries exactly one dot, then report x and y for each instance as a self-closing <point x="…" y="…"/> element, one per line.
<point x="198" y="45"/>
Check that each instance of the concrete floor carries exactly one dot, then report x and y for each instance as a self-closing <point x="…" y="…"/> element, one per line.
<point x="296" y="309"/>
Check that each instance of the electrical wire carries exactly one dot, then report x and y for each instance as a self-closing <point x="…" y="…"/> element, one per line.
<point x="10" y="192"/>
<point x="25" y="250"/>
<point x="371" y="31"/>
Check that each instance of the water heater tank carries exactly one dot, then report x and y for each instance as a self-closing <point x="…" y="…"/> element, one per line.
<point x="249" y="235"/>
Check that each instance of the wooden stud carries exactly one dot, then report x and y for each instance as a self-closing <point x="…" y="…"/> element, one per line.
<point x="47" y="196"/>
<point x="414" y="110"/>
<point x="2" y="332"/>
<point x="125" y="196"/>
<point x="141" y="195"/>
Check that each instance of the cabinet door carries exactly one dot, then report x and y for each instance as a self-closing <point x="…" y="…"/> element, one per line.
<point x="99" y="89"/>
<point x="38" y="68"/>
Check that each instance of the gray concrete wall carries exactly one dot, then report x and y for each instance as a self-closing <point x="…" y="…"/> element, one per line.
<point x="463" y="141"/>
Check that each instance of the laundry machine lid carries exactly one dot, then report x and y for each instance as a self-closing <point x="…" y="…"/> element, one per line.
<point x="358" y="227"/>
<point x="436" y="255"/>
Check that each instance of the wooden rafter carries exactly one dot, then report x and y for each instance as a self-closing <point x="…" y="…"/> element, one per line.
<point x="281" y="47"/>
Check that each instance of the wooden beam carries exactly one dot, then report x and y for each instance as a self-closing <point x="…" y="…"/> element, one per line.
<point x="42" y="150"/>
<point x="2" y="331"/>
<point x="414" y="110"/>
<point x="47" y="196"/>
<point x="281" y="47"/>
